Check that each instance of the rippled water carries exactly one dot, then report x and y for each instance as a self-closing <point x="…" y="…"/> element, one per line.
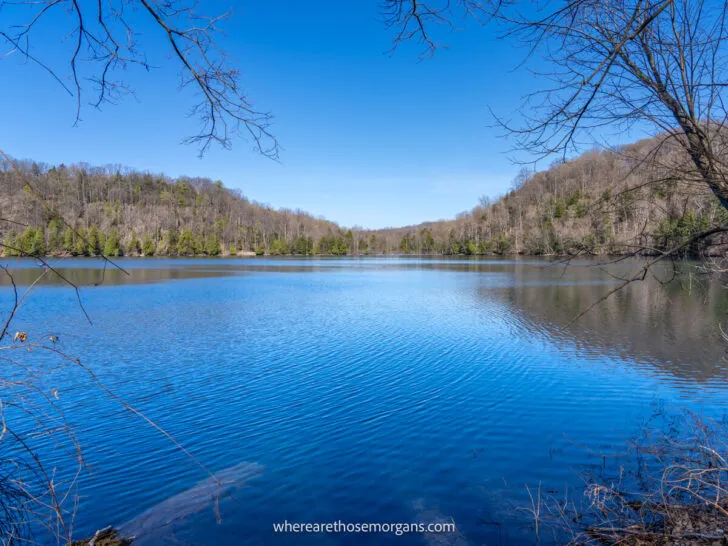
<point x="355" y="390"/>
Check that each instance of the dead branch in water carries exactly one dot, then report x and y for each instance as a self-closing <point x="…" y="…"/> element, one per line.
<point x="672" y="488"/>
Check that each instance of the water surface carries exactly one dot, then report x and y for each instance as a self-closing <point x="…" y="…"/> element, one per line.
<point x="362" y="390"/>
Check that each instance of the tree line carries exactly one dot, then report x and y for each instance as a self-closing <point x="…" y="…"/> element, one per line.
<point x="607" y="201"/>
<point x="79" y="210"/>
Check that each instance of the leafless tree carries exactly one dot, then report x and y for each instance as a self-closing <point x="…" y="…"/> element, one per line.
<point x="659" y="64"/>
<point x="104" y="40"/>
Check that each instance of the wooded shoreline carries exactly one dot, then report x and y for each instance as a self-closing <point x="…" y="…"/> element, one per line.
<point x="605" y="202"/>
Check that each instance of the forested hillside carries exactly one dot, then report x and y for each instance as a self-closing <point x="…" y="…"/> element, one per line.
<point x="122" y="212"/>
<point x="605" y="202"/>
<point x="642" y="196"/>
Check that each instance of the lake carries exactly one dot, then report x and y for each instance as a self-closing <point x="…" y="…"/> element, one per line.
<point x="362" y="390"/>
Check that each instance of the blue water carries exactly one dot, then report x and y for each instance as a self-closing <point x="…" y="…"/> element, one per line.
<point x="362" y="390"/>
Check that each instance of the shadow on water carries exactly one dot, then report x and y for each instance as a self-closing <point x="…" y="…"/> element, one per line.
<point x="162" y="521"/>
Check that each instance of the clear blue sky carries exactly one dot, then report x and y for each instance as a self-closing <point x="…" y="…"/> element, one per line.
<point x="369" y="138"/>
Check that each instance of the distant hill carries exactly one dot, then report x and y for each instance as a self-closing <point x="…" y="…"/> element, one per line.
<point x="119" y="211"/>
<point x="602" y="202"/>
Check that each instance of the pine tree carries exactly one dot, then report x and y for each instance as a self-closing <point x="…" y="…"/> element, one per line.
<point x="55" y="241"/>
<point x="212" y="245"/>
<point x="68" y="240"/>
<point x="10" y="244"/>
<point x="186" y="245"/>
<point x="25" y="241"/>
<point x="135" y="245"/>
<point x="113" y="244"/>
<point x="94" y="246"/>
<point x="148" y="248"/>
<point x="38" y="246"/>
<point x="80" y="246"/>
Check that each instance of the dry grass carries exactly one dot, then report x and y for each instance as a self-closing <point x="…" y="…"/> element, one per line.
<point x="671" y="489"/>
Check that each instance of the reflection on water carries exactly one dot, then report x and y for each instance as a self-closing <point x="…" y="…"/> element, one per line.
<point x="674" y="326"/>
<point x="93" y="272"/>
<point x="361" y="384"/>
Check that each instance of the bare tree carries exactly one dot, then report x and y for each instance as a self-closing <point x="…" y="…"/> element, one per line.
<point x="659" y="64"/>
<point x="104" y="42"/>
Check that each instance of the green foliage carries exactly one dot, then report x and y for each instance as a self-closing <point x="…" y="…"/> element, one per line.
<point x="168" y="244"/>
<point x="94" y="244"/>
<point x="580" y="210"/>
<point x="38" y="247"/>
<point x="11" y="247"/>
<point x="574" y="198"/>
<point x="148" y="247"/>
<point x="302" y="246"/>
<point x="69" y="239"/>
<point x="407" y="244"/>
<point x="80" y="246"/>
<point x="212" y="245"/>
<point x="54" y="235"/>
<point x="191" y="217"/>
<point x="339" y="247"/>
<point x="31" y="242"/>
<point x="278" y="247"/>
<point x="673" y="232"/>
<point x="113" y="244"/>
<point x="232" y="249"/>
<point x="427" y="242"/>
<point x="502" y="244"/>
<point x="186" y="246"/>
<point x="471" y="248"/>
<point x="134" y="246"/>
<point x="259" y="250"/>
<point x="219" y="226"/>
<point x="334" y="245"/>
<point x="363" y="246"/>
<point x="453" y="246"/>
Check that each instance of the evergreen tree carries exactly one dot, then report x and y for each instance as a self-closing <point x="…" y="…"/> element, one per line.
<point x="428" y="243"/>
<point x="169" y="244"/>
<point x="113" y="244"/>
<point x="186" y="244"/>
<point x="55" y="239"/>
<point x="10" y="244"/>
<point x="363" y="246"/>
<point x="148" y="248"/>
<point x="135" y="245"/>
<point x="278" y="246"/>
<point x="37" y="245"/>
<point x="404" y="246"/>
<point x="68" y="240"/>
<point x="94" y="246"/>
<point x="80" y="246"/>
<point x="212" y="245"/>
<point x="302" y="246"/>
<point x="339" y="247"/>
<point x="25" y="240"/>
<point x="323" y="246"/>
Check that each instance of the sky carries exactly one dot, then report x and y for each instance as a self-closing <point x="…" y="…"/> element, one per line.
<point x="369" y="137"/>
